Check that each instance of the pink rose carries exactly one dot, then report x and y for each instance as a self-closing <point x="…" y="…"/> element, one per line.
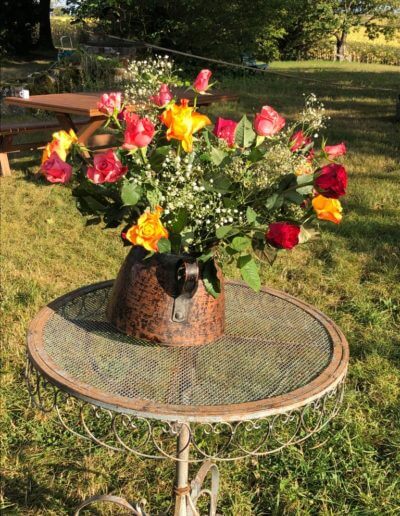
<point x="268" y="122"/>
<point x="56" y="170"/>
<point x="164" y="96"/>
<point x="138" y="132"/>
<point x="225" y="129"/>
<point x="299" y="140"/>
<point x="110" y="103"/>
<point x="107" y="168"/>
<point x="334" y="151"/>
<point x="201" y="82"/>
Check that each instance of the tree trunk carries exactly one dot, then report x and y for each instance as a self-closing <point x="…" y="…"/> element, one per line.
<point x="341" y="45"/>
<point x="45" y="38"/>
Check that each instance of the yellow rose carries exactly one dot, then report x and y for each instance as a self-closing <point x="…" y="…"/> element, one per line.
<point x="327" y="209"/>
<point x="61" y="143"/>
<point x="182" y="122"/>
<point x="148" y="230"/>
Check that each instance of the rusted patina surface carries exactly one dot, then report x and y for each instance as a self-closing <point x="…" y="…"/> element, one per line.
<point x="163" y="299"/>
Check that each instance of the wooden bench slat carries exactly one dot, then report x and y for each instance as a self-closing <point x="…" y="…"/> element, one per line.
<point x="34" y="126"/>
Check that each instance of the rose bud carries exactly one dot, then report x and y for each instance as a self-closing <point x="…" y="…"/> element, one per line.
<point x="107" y="168"/>
<point x="268" y="122"/>
<point x="331" y="181"/>
<point x="283" y="235"/>
<point x="56" y="170"/>
<point x="225" y="129"/>
<point x="299" y="140"/>
<point x="334" y="151"/>
<point x="202" y="80"/>
<point x="110" y="103"/>
<point x="138" y="132"/>
<point x="164" y="96"/>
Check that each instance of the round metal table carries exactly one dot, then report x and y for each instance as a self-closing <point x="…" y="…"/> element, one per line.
<point x="274" y="379"/>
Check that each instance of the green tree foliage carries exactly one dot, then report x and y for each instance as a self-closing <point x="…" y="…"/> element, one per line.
<point x="223" y="29"/>
<point x="228" y="28"/>
<point x="376" y="16"/>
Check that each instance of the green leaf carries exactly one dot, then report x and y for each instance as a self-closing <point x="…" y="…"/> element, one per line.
<point x="251" y="215"/>
<point x="164" y="245"/>
<point x="205" y="257"/>
<point x="157" y="157"/>
<point x="222" y="184"/>
<point x="304" y="179"/>
<point x="244" y="133"/>
<point x="130" y="193"/>
<point x="225" y="231"/>
<point x="240" y="243"/>
<point x="180" y="220"/>
<point x="153" y="196"/>
<point x="308" y="233"/>
<point x="94" y="204"/>
<point x="294" y="196"/>
<point x="230" y="250"/>
<point x="255" y="155"/>
<point x="217" y="156"/>
<point x="210" y="279"/>
<point x="274" y="202"/>
<point x="259" y="140"/>
<point x="249" y="271"/>
<point x="266" y="254"/>
<point x="305" y="190"/>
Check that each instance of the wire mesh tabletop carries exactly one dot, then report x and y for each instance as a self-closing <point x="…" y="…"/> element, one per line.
<point x="277" y="352"/>
<point x="274" y="379"/>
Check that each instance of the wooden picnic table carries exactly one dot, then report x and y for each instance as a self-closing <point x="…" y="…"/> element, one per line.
<point x="64" y="105"/>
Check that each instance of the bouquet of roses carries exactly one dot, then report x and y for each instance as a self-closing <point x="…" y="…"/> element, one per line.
<point x="177" y="183"/>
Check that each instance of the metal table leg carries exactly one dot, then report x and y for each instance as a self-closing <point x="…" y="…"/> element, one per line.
<point x="186" y="496"/>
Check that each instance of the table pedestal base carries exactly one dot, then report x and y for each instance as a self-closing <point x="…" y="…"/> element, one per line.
<point x="186" y="496"/>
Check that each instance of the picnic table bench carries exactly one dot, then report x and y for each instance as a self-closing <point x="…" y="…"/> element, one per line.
<point x="9" y="130"/>
<point x="82" y="105"/>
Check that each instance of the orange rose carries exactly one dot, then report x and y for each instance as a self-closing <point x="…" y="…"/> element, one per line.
<point x="327" y="209"/>
<point x="182" y="122"/>
<point x="148" y="230"/>
<point x="61" y="143"/>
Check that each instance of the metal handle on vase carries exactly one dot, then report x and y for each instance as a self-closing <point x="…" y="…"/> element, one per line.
<point x="187" y="275"/>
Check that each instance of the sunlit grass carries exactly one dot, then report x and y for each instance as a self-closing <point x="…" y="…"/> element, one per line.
<point x="351" y="273"/>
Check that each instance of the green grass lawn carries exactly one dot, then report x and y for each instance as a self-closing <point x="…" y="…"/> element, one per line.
<point x="352" y="273"/>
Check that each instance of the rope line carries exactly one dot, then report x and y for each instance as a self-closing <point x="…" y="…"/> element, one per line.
<point x="246" y="67"/>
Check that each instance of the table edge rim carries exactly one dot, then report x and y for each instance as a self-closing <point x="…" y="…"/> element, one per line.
<point x="326" y="381"/>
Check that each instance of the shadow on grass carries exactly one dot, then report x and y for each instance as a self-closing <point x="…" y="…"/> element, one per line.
<point x="26" y="493"/>
<point x="369" y="235"/>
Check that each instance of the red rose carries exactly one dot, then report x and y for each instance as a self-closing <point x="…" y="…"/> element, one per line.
<point x="299" y="140"/>
<point x="283" y="235"/>
<point x="225" y="129"/>
<point x="268" y="122"/>
<point x="56" y="170"/>
<point x="107" y="168"/>
<point x="334" y="151"/>
<point x="331" y="181"/>
<point x="138" y="132"/>
<point x="201" y="82"/>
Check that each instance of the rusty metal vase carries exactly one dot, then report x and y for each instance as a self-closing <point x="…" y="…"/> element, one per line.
<point x="163" y="299"/>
